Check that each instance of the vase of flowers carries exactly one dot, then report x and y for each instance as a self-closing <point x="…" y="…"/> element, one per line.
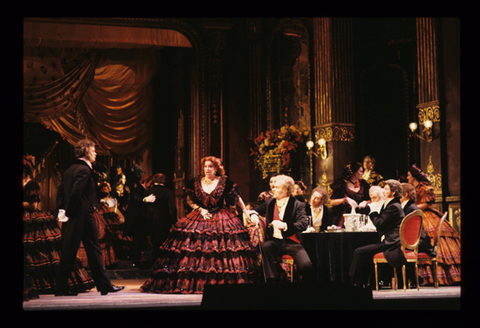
<point x="273" y="148"/>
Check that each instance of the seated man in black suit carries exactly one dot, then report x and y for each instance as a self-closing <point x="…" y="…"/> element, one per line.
<point x="286" y="219"/>
<point x="387" y="220"/>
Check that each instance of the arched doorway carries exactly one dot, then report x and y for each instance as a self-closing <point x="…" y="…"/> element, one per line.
<point x="383" y="119"/>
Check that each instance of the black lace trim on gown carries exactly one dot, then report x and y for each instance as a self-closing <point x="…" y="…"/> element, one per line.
<point x="199" y="251"/>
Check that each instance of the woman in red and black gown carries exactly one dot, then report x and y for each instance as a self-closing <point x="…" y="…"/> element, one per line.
<point x="448" y="251"/>
<point x="210" y="245"/>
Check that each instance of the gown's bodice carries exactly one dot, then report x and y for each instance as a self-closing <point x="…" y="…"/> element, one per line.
<point x="225" y="194"/>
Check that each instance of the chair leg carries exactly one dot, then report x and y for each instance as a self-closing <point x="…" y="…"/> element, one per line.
<point x="416" y="276"/>
<point x="403" y="276"/>
<point x="396" y="279"/>
<point x="435" y="277"/>
<point x="376" y="275"/>
<point x="291" y="271"/>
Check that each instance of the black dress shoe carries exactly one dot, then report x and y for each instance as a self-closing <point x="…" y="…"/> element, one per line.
<point x="113" y="289"/>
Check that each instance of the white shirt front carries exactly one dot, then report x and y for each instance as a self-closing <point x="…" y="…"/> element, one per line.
<point x="317" y="216"/>
<point x="385" y="205"/>
<point x="277" y="233"/>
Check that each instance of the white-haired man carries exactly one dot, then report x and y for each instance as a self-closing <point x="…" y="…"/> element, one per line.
<point x="286" y="219"/>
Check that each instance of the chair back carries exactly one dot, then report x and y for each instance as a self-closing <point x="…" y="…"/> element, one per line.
<point x="438" y="230"/>
<point x="410" y="230"/>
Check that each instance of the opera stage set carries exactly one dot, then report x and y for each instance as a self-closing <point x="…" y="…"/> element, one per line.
<point x="162" y="93"/>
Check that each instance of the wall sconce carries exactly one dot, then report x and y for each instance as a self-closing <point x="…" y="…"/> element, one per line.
<point x="427" y="133"/>
<point x="322" y="150"/>
<point x="427" y="117"/>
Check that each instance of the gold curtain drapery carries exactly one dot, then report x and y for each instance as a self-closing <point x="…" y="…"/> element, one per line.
<point x="108" y="98"/>
<point x="118" y="106"/>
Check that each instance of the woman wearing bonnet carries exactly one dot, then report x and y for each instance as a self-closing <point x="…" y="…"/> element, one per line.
<point x="448" y="250"/>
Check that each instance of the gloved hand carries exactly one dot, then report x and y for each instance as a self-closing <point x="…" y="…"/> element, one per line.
<point x="363" y="204"/>
<point x="61" y="216"/>
<point x="279" y="224"/>
<point x="253" y="216"/>
<point x="374" y="207"/>
<point x="351" y="202"/>
<point x="150" y="198"/>
<point x="205" y="214"/>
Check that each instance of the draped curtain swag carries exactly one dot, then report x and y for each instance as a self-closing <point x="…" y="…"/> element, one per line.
<point x="108" y="98"/>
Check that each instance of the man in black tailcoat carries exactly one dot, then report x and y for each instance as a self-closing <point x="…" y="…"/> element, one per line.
<point x="286" y="220"/>
<point x="387" y="220"/>
<point x="161" y="212"/>
<point x="77" y="199"/>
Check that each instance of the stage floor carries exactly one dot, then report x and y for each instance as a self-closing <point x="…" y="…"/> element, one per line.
<point x="131" y="298"/>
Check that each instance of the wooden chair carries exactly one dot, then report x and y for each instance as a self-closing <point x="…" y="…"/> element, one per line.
<point x="410" y="230"/>
<point x="289" y="260"/>
<point x="424" y="258"/>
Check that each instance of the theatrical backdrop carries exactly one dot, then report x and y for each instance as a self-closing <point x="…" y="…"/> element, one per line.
<point x="162" y="93"/>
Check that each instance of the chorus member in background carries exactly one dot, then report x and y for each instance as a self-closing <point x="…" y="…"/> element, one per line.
<point x="299" y="191"/>
<point x="160" y="211"/>
<point x="266" y="195"/>
<point x="387" y="220"/>
<point x="321" y="214"/>
<point x="369" y="174"/>
<point x="408" y="205"/>
<point x="210" y="245"/>
<point x="286" y="220"/>
<point x="77" y="197"/>
<point x="348" y="191"/>
<point x="448" y="251"/>
<point x="377" y="197"/>
<point x="110" y="221"/>
<point x="135" y="218"/>
<point x="121" y="189"/>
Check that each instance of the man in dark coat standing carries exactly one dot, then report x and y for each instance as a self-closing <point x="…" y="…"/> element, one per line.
<point x="161" y="212"/>
<point x="387" y="220"/>
<point x="286" y="220"/>
<point x="135" y="218"/>
<point x="77" y="199"/>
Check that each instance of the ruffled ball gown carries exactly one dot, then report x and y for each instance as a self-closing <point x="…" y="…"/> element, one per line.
<point x="41" y="246"/>
<point x="199" y="252"/>
<point x="448" y="250"/>
<point x="110" y="221"/>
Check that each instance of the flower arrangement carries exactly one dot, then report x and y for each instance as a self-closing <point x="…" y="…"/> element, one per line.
<point x="272" y="150"/>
